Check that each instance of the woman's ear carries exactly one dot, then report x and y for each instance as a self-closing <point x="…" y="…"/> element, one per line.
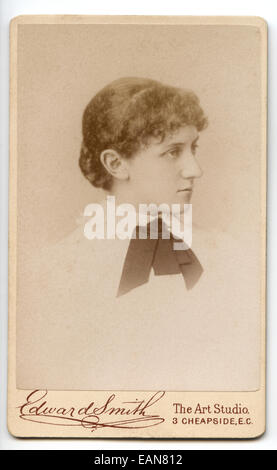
<point x="115" y="164"/>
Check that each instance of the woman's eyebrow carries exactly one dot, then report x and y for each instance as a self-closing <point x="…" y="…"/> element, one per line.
<point x="175" y="144"/>
<point x="179" y="144"/>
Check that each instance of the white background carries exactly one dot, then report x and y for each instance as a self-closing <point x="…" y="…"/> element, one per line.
<point x="266" y="9"/>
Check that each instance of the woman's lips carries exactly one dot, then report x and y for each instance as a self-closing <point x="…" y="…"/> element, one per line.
<point x="185" y="189"/>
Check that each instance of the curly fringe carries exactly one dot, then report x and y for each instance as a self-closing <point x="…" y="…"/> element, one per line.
<point x="125" y="114"/>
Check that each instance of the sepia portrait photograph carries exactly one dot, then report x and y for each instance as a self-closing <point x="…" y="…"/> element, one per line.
<point x="140" y="204"/>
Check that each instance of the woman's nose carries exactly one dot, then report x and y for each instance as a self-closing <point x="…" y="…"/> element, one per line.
<point x="191" y="168"/>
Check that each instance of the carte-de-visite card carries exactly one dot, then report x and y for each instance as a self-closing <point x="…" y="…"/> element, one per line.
<point x="137" y="227"/>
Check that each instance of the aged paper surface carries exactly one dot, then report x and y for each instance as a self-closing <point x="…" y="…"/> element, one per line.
<point x="167" y="358"/>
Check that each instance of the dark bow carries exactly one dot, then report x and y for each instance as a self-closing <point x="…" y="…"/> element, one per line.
<point x="157" y="252"/>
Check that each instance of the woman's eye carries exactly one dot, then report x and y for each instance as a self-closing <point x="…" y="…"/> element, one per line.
<point x="175" y="152"/>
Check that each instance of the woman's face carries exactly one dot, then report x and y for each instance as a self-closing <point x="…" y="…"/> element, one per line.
<point x="164" y="172"/>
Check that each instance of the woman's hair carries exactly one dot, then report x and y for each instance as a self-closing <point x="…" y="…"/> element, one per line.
<point x="125" y="114"/>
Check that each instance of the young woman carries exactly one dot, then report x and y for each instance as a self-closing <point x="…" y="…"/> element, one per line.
<point x="134" y="314"/>
<point x="139" y="143"/>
